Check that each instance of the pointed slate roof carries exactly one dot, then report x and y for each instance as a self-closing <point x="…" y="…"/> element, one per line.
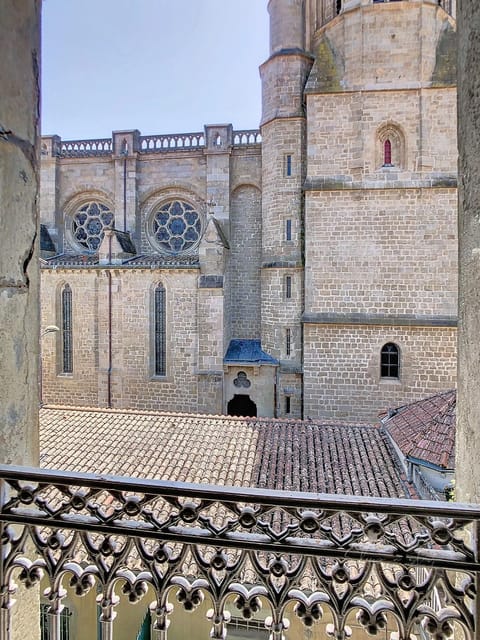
<point x="247" y="352"/>
<point x="425" y="430"/>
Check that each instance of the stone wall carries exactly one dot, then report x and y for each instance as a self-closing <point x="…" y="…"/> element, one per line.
<point x="132" y="382"/>
<point x="342" y="368"/>
<point x="468" y="412"/>
<point x="19" y="280"/>
<point x="245" y="260"/>
<point x="381" y="251"/>
<point x="380" y="236"/>
<point x="19" y="114"/>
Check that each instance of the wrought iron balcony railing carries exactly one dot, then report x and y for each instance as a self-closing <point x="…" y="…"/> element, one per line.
<point x="403" y="565"/>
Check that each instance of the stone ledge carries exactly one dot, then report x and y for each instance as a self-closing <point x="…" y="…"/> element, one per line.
<point x="343" y="183"/>
<point x="277" y="263"/>
<point x="379" y="319"/>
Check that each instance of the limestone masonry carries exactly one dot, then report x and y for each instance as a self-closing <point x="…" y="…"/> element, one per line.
<point x="308" y="269"/>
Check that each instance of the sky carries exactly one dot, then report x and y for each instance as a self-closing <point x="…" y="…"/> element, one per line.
<point x="160" y="66"/>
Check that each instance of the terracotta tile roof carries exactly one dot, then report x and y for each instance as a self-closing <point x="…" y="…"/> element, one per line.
<point x="291" y="455"/>
<point x="72" y="259"/>
<point x="89" y="260"/>
<point x="158" y="260"/>
<point x="426" y="429"/>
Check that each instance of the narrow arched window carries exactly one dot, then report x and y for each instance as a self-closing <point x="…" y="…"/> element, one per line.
<point x="390" y="361"/>
<point x="387" y="153"/>
<point x="67" y="332"/>
<point x="288" y="287"/>
<point x="160" y="329"/>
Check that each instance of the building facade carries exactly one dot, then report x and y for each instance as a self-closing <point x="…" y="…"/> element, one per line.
<point x="308" y="269"/>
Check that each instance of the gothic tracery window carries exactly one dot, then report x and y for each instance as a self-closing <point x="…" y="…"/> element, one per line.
<point x="67" y="333"/>
<point x="390" y="147"/>
<point x="160" y="331"/>
<point x="89" y="223"/>
<point x="176" y="227"/>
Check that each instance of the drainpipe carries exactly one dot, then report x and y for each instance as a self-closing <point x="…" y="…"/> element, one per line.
<point x="125" y="154"/>
<point x="109" y="370"/>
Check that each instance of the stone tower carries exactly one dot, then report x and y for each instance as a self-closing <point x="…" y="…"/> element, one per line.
<point x="283" y="129"/>
<point x="359" y="154"/>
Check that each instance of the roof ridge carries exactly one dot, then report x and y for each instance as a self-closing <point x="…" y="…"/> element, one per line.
<point x="284" y="421"/>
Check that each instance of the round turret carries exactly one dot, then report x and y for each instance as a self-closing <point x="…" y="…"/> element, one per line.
<point x="286" y="25"/>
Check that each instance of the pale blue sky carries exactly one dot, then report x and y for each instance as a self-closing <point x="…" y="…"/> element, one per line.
<point x="161" y="66"/>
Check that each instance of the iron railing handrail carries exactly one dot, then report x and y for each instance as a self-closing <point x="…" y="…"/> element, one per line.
<point x="277" y="497"/>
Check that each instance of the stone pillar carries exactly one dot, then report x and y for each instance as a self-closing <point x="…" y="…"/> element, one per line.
<point x="125" y="147"/>
<point x="286" y="25"/>
<point x="19" y="273"/>
<point x="283" y="129"/>
<point x="218" y="148"/>
<point x="468" y="406"/>
<point x="19" y="268"/>
<point x="50" y="214"/>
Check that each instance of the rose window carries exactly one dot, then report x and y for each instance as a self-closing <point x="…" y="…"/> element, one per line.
<point x="89" y="224"/>
<point x="176" y="227"/>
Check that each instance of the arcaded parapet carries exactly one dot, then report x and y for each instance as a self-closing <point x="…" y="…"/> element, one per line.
<point x="19" y="113"/>
<point x="468" y="408"/>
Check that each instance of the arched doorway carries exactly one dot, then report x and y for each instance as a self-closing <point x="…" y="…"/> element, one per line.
<point x="241" y="405"/>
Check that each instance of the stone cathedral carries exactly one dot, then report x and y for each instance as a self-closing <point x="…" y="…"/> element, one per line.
<point x="307" y="269"/>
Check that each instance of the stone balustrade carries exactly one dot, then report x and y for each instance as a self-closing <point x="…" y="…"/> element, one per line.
<point x="161" y="143"/>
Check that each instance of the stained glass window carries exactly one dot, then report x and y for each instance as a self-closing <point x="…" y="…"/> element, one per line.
<point x="387" y="153"/>
<point x="160" y="329"/>
<point x="67" y="334"/>
<point x="176" y="227"/>
<point x="89" y="223"/>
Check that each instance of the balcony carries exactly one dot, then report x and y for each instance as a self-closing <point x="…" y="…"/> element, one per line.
<point x="336" y="565"/>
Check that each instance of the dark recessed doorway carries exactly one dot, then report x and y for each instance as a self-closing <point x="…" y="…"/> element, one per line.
<point x="241" y="405"/>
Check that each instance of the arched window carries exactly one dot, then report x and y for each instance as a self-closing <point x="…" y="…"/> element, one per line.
<point x="390" y="148"/>
<point x="387" y="153"/>
<point x="160" y="331"/>
<point x="390" y="361"/>
<point x="67" y="334"/>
